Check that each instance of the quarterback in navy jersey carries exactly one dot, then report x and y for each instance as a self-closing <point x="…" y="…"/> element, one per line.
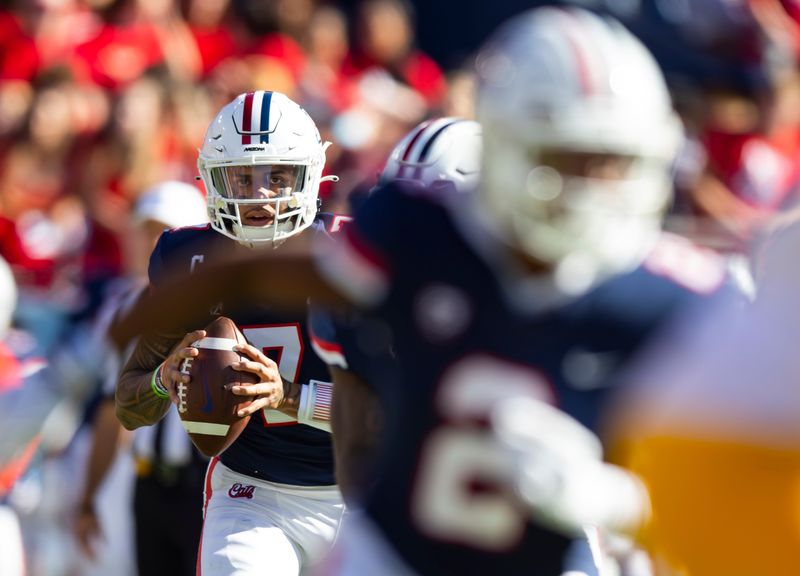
<point x="271" y="498"/>
<point x="273" y="446"/>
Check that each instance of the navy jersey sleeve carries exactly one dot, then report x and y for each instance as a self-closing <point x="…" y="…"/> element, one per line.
<point x="357" y="342"/>
<point x="325" y="337"/>
<point x="174" y="256"/>
<point x="331" y="223"/>
<point x="156" y="269"/>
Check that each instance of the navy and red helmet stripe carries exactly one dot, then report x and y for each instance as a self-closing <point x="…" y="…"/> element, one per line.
<point x="420" y="145"/>
<point x="255" y="116"/>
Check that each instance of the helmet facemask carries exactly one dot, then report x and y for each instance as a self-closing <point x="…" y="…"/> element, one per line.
<point x="260" y="202"/>
<point x="584" y="214"/>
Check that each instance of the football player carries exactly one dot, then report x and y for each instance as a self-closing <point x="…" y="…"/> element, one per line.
<point x="439" y="152"/>
<point x="540" y="286"/>
<point x="444" y="156"/>
<point x="271" y="499"/>
<point x="30" y="391"/>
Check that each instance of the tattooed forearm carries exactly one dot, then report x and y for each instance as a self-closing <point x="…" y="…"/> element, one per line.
<point x="137" y="405"/>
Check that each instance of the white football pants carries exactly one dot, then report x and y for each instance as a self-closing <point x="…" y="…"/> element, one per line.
<point x="252" y="527"/>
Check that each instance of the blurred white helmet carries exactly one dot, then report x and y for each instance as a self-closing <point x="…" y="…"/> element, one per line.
<point x="173" y="203"/>
<point x="438" y="149"/>
<point x="262" y="150"/>
<point x="558" y="89"/>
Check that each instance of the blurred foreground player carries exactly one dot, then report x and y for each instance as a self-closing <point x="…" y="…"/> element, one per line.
<point x="442" y="155"/>
<point x="30" y="391"/>
<point x="438" y="152"/>
<point x="271" y="501"/>
<point x="539" y="287"/>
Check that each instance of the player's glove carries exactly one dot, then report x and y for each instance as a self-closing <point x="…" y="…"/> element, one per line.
<point x="558" y="471"/>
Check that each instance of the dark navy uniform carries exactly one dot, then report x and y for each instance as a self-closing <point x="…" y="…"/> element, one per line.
<point x="272" y="447"/>
<point x="469" y="329"/>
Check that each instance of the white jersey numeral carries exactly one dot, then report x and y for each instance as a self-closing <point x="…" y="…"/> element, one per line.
<point x="461" y="491"/>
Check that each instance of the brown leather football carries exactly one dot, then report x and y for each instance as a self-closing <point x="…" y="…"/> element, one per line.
<point x="206" y="405"/>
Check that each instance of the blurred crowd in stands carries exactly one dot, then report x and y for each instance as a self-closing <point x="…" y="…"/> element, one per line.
<point x="101" y="99"/>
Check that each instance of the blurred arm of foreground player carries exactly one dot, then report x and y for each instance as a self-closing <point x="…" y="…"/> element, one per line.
<point x="356" y="422"/>
<point x="253" y="275"/>
<point x="557" y="469"/>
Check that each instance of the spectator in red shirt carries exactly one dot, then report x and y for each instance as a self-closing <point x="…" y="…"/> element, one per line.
<point x="137" y="35"/>
<point x="19" y="58"/>
<point x="210" y="26"/>
<point x="385" y="40"/>
<point x="326" y="41"/>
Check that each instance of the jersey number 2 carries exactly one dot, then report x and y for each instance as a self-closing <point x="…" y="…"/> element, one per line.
<point x="461" y="491"/>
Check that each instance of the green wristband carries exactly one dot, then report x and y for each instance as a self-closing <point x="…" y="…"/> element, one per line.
<point x="157" y="385"/>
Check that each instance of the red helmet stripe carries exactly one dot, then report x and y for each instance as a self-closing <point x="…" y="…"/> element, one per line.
<point x="588" y="55"/>
<point x="255" y="114"/>
<point x="247" y="117"/>
<point x="410" y="146"/>
<point x="584" y="75"/>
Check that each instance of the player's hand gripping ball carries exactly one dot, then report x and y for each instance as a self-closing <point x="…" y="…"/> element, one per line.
<point x="207" y="407"/>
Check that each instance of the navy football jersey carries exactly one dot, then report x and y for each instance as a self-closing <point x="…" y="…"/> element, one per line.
<point x="468" y="329"/>
<point x="273" y="446"/>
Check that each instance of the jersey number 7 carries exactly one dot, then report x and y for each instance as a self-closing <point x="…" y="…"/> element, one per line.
<point x="284" y="344"/>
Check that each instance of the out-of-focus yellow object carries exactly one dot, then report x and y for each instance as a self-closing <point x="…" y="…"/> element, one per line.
<point x="720" y="507"/>
<point x="711" y="424"/>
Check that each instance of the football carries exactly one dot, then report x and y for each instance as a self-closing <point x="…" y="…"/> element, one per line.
<point x="206" y="405"/>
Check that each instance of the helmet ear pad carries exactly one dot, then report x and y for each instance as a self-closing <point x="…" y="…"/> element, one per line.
<point x="267" y="129"/>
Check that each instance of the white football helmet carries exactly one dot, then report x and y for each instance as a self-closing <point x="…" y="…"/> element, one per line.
<point x="571" y="84"/>
<point x="261" y="162"/>
<point x="438" y="149"/>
